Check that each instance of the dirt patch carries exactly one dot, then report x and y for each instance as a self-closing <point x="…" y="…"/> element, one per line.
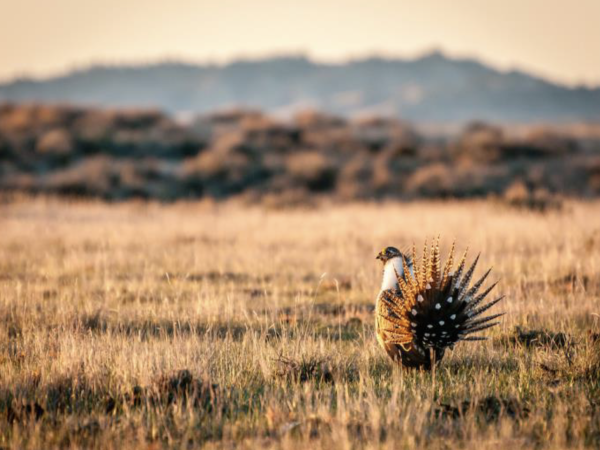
<point x="303" y="370"/>
<point x="212" y="276"/>
<point x="326" y="309"/>
<point x="490" y="408"/>
<point x="572" y="281"/>
<point x="180" y="387"/>
<point x="21" y="412"/>
<point x="536" y="338"/>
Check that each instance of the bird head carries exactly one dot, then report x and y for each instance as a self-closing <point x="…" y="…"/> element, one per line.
<point x="388" y="253"/>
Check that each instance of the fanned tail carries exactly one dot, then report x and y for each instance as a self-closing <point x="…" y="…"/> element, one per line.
<point x="435" y="308"/>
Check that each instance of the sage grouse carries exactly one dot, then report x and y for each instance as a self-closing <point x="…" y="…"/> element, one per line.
<point x="423" y="309"/>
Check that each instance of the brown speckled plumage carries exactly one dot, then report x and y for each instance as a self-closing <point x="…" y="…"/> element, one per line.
<point x="432" y="308"/>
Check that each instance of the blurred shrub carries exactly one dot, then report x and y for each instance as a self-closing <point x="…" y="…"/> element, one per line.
<point x="57" y="141"/>
<point x="311" y="169"/>
<point x="435" y="180"/>
<point x="376" y="133"/>
<point x="593" y="176"/>
<point x="549" y="142"/>
<point x="479" y="142"/>
<point x="464" y="180"/>
<point x="117" y="154"/>
<point x="486" y="143"/>
<point x="94" y="176"/>
<point x="354" y="181"/>
<point x="518" y="195"/>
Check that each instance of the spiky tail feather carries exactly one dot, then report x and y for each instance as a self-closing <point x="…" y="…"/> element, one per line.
<point x="434" y="309"/>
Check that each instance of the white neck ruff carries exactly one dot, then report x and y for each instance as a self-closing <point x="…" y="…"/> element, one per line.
<point x="391" y="267"/>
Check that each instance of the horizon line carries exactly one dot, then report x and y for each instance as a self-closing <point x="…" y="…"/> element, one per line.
<point x="76" y="67"/>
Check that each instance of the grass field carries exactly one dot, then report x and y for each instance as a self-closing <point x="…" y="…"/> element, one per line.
<point x="149" y="326"/>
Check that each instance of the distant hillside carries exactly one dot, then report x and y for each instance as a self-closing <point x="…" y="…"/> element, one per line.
<point x="430" y="89"/>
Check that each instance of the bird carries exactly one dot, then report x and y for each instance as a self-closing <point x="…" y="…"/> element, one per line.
<point x="423" y="309"/>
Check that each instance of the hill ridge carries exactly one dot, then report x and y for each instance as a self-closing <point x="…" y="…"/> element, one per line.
<point x="432" y="88"/>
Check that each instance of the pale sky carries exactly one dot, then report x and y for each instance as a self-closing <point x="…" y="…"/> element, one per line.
<point x="555" y="39"/>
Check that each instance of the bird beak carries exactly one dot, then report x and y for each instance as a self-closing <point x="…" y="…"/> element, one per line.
<point x="380" y="256"/>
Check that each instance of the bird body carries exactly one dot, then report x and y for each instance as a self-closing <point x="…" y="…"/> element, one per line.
<point x="424" y="309"/>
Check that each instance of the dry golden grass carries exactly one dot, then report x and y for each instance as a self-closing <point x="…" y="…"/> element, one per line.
<point x="149" y="326"/>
